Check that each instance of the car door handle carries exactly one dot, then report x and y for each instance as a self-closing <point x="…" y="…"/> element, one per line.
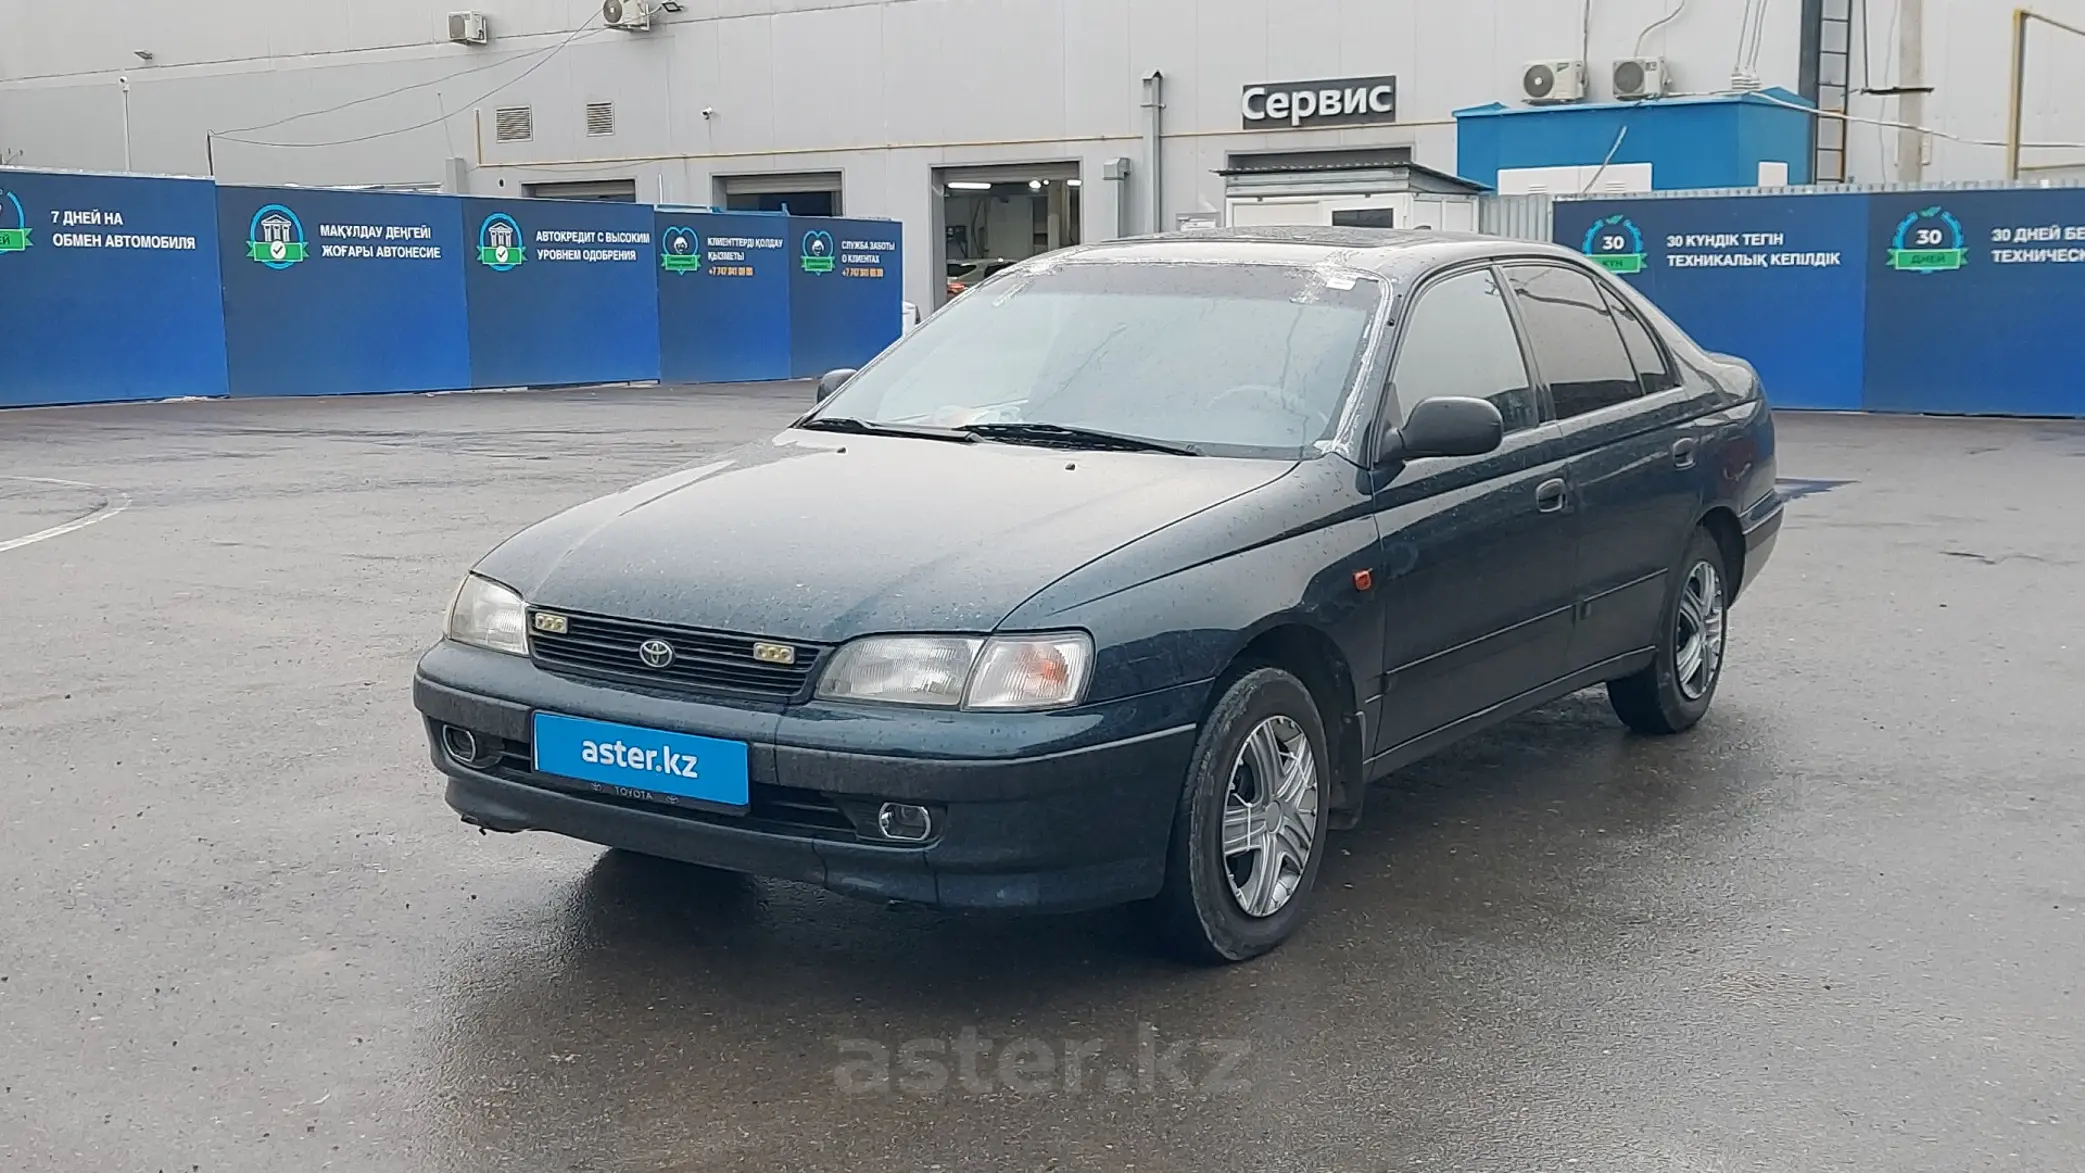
<point x="1683" y="452"/>
<point x="1550" y="496"/>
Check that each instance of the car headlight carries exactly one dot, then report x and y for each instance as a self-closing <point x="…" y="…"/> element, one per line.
<point x="1004" y="673"/>
<point x="488" y="615"/>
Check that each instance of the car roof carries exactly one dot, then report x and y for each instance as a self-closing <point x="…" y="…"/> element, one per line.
<point x="1393" y="252"/>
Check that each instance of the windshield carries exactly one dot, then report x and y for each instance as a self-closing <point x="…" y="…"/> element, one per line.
<point x="1221" y="358"/>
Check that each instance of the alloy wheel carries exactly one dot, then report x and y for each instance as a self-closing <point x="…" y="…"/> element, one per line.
<point x="1698" y="645"/>
<point x="1270" y="816"/>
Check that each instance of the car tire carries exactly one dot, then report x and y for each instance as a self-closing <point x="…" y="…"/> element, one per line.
<point x="1264" y="719"/>
<point x="1674" y="691"/>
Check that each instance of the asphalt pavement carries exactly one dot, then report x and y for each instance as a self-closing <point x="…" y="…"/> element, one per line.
<point x="1841" y="926"/>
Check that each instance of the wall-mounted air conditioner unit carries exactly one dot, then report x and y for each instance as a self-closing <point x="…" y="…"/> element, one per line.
<point x="1639" y="78"/>
<point x="469" y="28"/>
<point x="629" y="15"/>
<point x="1553" y="81"/>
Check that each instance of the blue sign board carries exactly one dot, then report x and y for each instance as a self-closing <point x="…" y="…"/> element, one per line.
<point x="560" y="292"/>
<point x="845" y="292"/>
<point x="338" y="292"/>
<point x="1776" y="280"/>
<point x="108" y="289"/>
<point x="723" y="296"/>
<point x="1973" y="301"/>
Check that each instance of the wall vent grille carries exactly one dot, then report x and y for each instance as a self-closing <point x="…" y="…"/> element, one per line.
<point x="514" y="124"/>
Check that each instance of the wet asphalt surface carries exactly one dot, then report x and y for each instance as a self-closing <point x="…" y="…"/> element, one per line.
<point x="1839" y="926"/>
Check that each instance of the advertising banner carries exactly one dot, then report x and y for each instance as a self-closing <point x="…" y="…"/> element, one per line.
<point x="845" y="292"/>
<point x="1973" y="301"/>
<point x="1775" y="280"/>
<point x="560" y="292"/>
<point x="339" y="292"/>
<point x="723" y="296"/>
<point x="108" y="289"/>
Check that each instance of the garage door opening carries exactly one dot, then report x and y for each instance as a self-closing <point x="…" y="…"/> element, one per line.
<point x="623" y="191"/>
<point x="994" y="217"/>
<point x="813" y="193"/>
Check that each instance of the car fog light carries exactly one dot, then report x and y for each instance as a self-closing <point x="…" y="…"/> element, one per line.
<point x="463" y="745"/>
<point x="903" y="822"/>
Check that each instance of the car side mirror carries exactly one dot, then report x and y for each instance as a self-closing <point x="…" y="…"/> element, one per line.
<point x="1447" y="426"/>
<point x="833" y="381"/>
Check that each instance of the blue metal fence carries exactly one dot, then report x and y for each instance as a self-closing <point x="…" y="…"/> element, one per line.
<point x="1946" y="301"/>
<point x="134" y="287"/>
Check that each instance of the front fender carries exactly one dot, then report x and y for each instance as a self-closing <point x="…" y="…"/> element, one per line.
<point x="1177" y="606"/>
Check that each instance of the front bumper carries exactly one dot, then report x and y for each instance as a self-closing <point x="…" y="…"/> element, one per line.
<point x="1052" y="811"/>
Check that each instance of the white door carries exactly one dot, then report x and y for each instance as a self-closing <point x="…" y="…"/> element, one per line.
<point x="1449" y="214"/>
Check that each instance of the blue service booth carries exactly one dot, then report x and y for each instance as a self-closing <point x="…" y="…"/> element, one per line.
<point x="1705" y="142"/>
<point x="1958" y="302"/>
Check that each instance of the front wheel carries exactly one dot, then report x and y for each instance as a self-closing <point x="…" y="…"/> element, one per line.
<point x="1247" y="839"/>
<point x="1674" y="692"/>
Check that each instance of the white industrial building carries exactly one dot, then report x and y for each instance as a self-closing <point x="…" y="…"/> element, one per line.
<point x="992" y="128"/>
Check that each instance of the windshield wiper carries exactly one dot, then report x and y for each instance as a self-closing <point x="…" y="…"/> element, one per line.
<point x="1065" y="436"/>
<point x="860" y="427"/>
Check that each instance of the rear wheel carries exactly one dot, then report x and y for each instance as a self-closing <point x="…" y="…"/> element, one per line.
<point x="1247" y="839"/>
<point x="1674" y="691"/>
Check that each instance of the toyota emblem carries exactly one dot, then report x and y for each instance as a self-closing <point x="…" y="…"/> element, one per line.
<point x="656" y="653"/>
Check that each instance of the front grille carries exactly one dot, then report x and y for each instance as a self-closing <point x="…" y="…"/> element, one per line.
<point x="703" y="661"/>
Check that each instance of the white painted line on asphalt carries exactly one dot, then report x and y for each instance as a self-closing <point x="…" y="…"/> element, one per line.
<point x="112" y="503"/>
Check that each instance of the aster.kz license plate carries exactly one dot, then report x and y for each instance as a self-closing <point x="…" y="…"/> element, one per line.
<point x="643" y="763"/>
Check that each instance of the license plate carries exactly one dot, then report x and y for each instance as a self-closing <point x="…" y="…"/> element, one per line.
<point x="643" y="763"/>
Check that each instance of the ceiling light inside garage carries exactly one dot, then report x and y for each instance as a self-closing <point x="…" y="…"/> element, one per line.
<point x="965" y="185"/>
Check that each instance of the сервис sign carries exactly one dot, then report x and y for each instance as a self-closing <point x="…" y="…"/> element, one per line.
<point x="1349" y="101"/>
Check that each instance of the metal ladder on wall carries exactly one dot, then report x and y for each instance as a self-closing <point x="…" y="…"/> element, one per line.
<point x="1834" y="68"/>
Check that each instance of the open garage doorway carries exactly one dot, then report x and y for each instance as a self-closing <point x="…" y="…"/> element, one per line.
<point x="992" y="217"/>
<point x="815" y="193"/>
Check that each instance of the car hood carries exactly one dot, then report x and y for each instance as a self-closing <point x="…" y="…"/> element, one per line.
<point x="821" y="537"/>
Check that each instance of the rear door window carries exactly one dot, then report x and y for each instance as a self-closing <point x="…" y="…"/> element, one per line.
<point x="1578" y="347"/>
<point x="1459" y="340"/>
<point x="1652" y="368"/>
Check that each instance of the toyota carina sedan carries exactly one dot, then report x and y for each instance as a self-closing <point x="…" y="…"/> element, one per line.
<point x="1123" y="577"/>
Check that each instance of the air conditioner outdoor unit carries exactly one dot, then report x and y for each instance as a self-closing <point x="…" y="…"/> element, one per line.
<point x="469" y="28"/>
<point x="1554" y="81"/>
<point x="1638" y="78"/>
<point x="631" y="15"/>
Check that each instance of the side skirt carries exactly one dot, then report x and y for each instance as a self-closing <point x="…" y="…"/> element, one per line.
<point x="1427" y="743"/>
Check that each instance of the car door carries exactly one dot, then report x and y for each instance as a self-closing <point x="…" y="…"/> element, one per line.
<point x="1625" y="424"/>
<point x="1477" y="551"/>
